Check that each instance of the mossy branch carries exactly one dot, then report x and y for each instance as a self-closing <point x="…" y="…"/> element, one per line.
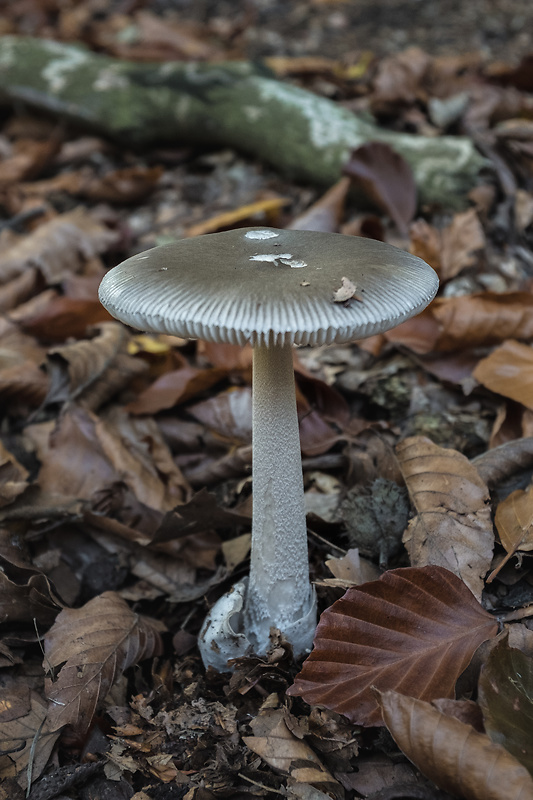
<point x="230" y="104"/>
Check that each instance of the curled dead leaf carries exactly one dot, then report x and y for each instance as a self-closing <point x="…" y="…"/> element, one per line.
<point x="453" y="755"/>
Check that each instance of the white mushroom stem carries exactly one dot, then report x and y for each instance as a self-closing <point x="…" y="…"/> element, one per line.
<point x="279" y="592"/>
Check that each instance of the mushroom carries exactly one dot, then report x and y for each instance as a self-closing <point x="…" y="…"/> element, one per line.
<point x="272" y="288"/>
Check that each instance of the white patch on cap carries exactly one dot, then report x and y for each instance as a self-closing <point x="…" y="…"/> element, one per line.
<point x="260" y="235"/>
<point x="292" y="262"/>
<point x="284" y="258"/>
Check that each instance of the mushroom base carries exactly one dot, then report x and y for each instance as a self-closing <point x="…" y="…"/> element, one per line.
<point x="221" y="639"/>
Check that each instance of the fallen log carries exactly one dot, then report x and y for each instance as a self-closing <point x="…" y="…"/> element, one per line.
<point x="229" y="104"/>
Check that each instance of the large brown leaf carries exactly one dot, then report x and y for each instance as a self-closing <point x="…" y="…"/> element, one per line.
<point x="453" y="755"/>
<point x="94" y="644"/>
<point x="387" y="180"/>
<point x="453" y="527"/>
<point x="86" y="455"/>
<point x="414" y="630"/>
<point x="508" y="371"/>
<point x="456" y="323"/>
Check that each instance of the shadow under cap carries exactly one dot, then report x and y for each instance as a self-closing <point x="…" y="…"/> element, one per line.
<point x="268" y="286"/>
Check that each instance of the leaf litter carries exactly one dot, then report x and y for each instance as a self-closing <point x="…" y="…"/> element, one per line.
<point x="111" y="547"/>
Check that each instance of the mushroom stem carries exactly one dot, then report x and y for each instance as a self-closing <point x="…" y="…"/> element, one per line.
<point x="279" y="593"/>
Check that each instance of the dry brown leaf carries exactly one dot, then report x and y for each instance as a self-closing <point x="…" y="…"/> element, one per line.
<point x="414" y="630"/>
<point x="398" y="79"/>
<point x="30" y="156"/>
<point x="26" y="595"/>
<point x="351" y="570"/>
<point x="452" y="249"/>
<point x="84" y="456"/>
<point x="453" y="755"/>
<point x="283" y="751"/>
<point x="53" y="318"/>
<point x="457" y="323"/>
<point x="327" y="213"/>
<point x="126" y="186"/>
<point x="92" y="371"/>
<point x="386" y="179"/>
<point x="453" y="527"/>
<point x="25" y="735"/>
<point x="18" y="290"/>
<point x="175" y="387"/>
<point x="229" y="414"/>
<point x="95" y="644"/>
<point x="508" y="371"/>
<point x="13" y="477"/>
<point x="270" y="208"/>
<point x="514" y="523"/>
<point x="58" y="247"/>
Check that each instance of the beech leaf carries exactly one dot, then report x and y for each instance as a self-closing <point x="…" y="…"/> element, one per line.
<point x="508" y="371"/>
<point x="413" y="630"/>
<point x="95" y="644"/>
<point x="505" y="694"/>
<point x="453" y="755"/>
<point x="453" y="527"/>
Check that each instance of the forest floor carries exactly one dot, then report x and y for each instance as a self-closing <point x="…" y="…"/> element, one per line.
<point x="125" y="458"/>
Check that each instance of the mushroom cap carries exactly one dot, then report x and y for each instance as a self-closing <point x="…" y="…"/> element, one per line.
<point x="269" y="286"/>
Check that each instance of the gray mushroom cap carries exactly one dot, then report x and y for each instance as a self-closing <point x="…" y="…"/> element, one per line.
<point x="269" y="286"/>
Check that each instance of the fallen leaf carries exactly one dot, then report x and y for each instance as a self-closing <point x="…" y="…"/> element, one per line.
<point x="508" y="371"/>
<point x="453" y="527"/>
<point x="229" y="414"/>
<point x="13" y="477"/>
<point x="126" y="186"/>
<point x="413" y="630"/>
<point x="92" y="371"/>
<point x="345" y="292"/>
<point x="175" y="387"/>
<point x="496" y="465"/>
<point x="57" y="247"/>
<point x="452" y="249"/>
<point x="457" y="323"/>
<point x="514" y="523"/>
<point x="284" y="752"/>
<point x="327" y="213"/>
<point x="387" y="180"/>
<point x="95" y="644"/>
<point x="269" y="208"/>
<point x="59" y="318"/>
<point x="398" y="79"/>
<point x="505" y="694"/>
<point x="26" y="740"/>
<point x="351" y="570"/>
<point x="453" y="755"/>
